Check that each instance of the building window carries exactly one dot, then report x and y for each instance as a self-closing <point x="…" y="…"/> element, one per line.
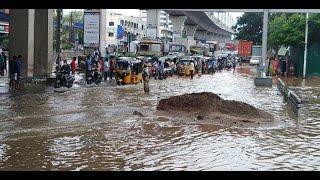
<point x="111" y="23"/>
<point x="111" y="34"/>
<point x="142" y="27"/>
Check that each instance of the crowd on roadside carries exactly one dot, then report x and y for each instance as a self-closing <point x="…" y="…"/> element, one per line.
<point x="13" y="70"/>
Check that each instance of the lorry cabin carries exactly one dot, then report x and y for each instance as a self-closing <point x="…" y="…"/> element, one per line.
<point x="244" y="50"/>
<point x="150" y="47"/>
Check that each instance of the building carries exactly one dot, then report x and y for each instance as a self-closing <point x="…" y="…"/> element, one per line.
<point x="134" y="29"/>
<point x="165" y="25"/>
<point x="4" y="22"/>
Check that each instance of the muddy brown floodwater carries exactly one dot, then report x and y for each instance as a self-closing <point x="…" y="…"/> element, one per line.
<point x="94" y="128"/>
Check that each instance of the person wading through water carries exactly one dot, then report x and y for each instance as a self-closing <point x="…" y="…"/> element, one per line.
<point x="145" y="77"/>
<point x="191" y="69"/>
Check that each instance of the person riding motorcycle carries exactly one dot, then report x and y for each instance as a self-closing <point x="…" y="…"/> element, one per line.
<point x="65" y="69"/>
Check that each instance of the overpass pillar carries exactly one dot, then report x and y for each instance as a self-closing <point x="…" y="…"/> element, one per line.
<point x="153" y="21"/>
<point x="21" y="38"/>
<point x="103" y="23"/>
<point x="190" y="30"/>
<point x="43" y="42"/>
<point x="177" y="25"/>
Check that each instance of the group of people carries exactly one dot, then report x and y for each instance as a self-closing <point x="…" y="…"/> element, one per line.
<point x="105" y="66"/>
<point x="15" y="66"/>
<point x="281" y="66"/>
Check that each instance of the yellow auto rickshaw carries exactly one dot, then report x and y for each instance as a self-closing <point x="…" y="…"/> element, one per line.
<point x="184" y="67"/>
<point x="128" y="71"/>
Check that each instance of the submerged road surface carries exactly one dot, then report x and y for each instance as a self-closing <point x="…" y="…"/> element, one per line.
<point x="93" y="128"/>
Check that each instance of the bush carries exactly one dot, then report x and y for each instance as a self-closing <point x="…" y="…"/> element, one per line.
<point x="67" y="46"/>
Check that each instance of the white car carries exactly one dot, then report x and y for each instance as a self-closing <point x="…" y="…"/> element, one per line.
<point x="255" y="60"/>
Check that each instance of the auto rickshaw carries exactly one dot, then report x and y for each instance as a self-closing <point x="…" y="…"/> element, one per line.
<point x="183" y="67"/>
<point x="128" y="71"/>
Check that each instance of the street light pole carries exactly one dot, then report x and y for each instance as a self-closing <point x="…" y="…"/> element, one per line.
<point x="305" y="48"/>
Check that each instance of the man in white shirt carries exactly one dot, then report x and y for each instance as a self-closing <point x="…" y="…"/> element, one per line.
<point x="191" y="69"/>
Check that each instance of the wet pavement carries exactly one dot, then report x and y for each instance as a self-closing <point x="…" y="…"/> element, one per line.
<point x="93" y="128"/>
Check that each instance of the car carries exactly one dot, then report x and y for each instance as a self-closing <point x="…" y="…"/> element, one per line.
<point x="254" y="60"/>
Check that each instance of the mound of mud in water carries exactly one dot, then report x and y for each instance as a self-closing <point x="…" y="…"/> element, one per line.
<point x="207" y="103"/>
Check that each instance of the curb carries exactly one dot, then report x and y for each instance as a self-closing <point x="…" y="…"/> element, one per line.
<point x="293" y="99"/>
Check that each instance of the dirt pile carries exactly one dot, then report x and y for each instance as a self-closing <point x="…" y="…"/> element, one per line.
<point x="206" y="103"/>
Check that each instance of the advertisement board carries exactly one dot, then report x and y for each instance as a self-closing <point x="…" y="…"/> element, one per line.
<point x="91" y="37"/>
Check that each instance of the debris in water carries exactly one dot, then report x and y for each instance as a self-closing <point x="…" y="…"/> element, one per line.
<point x="137" y="113"/>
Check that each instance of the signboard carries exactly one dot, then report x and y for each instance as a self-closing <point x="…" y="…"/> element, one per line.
<point x="91" y="37"/>
<point x="152" y="32"/>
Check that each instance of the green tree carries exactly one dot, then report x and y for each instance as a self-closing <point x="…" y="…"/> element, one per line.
<point x="249" y="27"/>
<point x="276" y="33"/>
<point x="287" y="30"/>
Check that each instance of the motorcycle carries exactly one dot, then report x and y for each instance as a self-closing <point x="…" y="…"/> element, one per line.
<point x="94" y="76"/>
<point x="63" y="79"/>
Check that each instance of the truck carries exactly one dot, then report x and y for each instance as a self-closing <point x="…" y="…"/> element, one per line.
<point x="212" y="46"/>
<point x="200" y="49"/>
<point x="150" y="47"/>
<point x="177" y="49"/>
<point x="256" y="55"/>
<point x="244" y="50"/>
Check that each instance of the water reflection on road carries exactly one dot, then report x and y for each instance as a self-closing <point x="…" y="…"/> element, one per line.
<point x="92" y="128"/>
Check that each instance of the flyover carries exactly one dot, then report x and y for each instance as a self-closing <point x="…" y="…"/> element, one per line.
<point x="197" y="24"/>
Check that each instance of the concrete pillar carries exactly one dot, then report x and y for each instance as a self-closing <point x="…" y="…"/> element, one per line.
<point x="153" y="20"/>
<point x="177" y="25"/>
<point x="190" y="30"/>
<point x="103" y="21"/>
<point x="43" y="42"/>
<point x="264" y="41"/>
<point x="21" y="38"/>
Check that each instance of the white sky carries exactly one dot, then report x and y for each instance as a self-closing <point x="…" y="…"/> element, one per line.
<point x="136" y="12"/>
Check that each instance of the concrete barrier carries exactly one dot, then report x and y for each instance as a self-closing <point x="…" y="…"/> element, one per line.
<point x="292" y="98"/>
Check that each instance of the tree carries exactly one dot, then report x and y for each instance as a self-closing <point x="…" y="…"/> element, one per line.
<point x="249" y="27"/>
<point x="77" y="16"/>
<point x="287" y="30"/>
<point x="276" y="33"/>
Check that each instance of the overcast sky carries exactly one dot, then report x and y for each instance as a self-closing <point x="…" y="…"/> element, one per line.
<point x="136" y="12"/>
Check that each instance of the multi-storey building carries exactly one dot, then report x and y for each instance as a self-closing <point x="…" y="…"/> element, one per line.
<point x="134" y="29"/>
<point x="165" y="25"/>
<point x="4" y="21"/>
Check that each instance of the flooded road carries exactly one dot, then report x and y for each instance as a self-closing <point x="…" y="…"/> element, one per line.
<point x="93" y="128"/>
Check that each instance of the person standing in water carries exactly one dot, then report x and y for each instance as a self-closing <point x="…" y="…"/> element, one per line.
<point x="191" y="69"/>
<point x="145" y="77"/>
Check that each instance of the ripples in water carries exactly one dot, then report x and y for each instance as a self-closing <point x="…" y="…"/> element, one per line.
<point x="92" y="128"/>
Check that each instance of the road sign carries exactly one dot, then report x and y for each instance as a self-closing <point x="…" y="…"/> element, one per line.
<point x="91" y="28"/>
